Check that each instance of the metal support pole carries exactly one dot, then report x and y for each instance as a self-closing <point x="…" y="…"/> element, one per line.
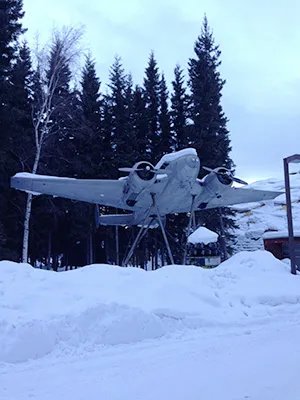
<point x="192" y="217"/>
<point x="140" y="235"/>
<point x="134" y="245"/>
<point x="162" y="229"/>
<point x="289" y="215"/>
<point x="223" y="238"/>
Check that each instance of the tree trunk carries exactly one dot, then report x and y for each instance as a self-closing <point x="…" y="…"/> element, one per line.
<point x="55" y="262"/>
<point x="49" y="249"/>
<point x="155" y="251"/>
<point x="89" y="257"/>
<point x="28" y="211"/>
<point x="117" y="246"/>
<point x="26" y="228"/>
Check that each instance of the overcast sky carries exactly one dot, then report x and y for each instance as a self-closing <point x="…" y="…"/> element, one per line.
<point x="260" y="44"/>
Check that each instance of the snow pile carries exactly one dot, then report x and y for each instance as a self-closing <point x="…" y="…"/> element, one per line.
<point x="43" y="311"/>
<point x="270" y="215"/>
<point x="203" y="235"/>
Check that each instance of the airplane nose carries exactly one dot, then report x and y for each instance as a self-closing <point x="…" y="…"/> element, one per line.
<point x="192" y="161"/>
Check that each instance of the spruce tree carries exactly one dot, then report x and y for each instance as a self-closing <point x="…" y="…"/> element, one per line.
<point x="21" y="107"/>
<point x="140" y="124"/>
<point x="209" y="133"/>
<point x="121" y="139"/>
<point x="166" y="143"/>
<point x="21" y="149"/>
<point x="11" y="13"/>
<point x="89" y="151"/>
<point x="89" y="141"/>
<point x="151" y="93"/>
<point x="90" y="93"/>
<point x="129" y="126"/>
<point x="179" y="110"/>
<point x="107" y="154"/>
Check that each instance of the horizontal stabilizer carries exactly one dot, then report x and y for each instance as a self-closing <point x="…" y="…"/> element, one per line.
<point x="116" y="219"/>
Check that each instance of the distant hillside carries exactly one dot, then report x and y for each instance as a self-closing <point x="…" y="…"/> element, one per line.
<point x="254" y="219"/>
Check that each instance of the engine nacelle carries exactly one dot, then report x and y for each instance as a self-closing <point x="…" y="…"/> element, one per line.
<point x="218" y="180"/>
<point x="141" y="176"/>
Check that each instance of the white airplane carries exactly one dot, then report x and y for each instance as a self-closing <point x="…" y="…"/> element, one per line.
<point x="149" y="193"/>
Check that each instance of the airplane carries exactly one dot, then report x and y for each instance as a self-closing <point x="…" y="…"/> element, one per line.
<point x="149" y="193"/>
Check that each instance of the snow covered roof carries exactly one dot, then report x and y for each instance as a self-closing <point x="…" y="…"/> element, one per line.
<point x="279" y="234"/>
<point x="203" y="235"/>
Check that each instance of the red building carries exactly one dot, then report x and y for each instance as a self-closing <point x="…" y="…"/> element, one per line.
<point x="277" y="243"/>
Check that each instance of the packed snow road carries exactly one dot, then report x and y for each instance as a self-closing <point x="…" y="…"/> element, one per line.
<point x="261" y="363"/>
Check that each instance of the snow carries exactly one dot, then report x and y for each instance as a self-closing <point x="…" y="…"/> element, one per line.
<point x="203" y="235"/>
<point x="256" y="219"/>
<point x="167" y="158"/>
<point x="104" y="305"/>
<point x="179" y="332"/>
<point x="244" y="207"/>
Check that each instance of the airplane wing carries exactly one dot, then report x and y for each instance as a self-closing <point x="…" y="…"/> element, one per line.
<point x="98" y="191"/>
<point x="234" y="196"/>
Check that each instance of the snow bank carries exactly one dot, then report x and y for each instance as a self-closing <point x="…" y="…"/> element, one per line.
<point x="42" y="311"/>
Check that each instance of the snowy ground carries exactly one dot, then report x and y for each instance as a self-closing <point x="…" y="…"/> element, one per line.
<point x="113" y="333"/>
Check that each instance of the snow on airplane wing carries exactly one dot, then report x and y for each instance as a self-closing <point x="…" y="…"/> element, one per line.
<point x="235" y="195"/>
<point x="104" y="192"/>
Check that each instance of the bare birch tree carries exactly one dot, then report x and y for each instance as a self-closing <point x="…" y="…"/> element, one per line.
<point x="66" y="44"/>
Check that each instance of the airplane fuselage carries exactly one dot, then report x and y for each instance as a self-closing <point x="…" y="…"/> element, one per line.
<point x="176" y="184"/>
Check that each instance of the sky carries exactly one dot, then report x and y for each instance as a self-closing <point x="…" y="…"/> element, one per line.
<point x="260" y="57"/>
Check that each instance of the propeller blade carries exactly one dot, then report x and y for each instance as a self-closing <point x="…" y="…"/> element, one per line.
<point x="162" y="171"/>
<point x="208" y="169"/>
<point x="238" y="180"/>
<point x="126" y="169"/>
<point x="228" y="173"/>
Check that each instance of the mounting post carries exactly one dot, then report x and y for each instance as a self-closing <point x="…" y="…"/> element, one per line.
<point x="191" y="219"/>
<point x="286" y="161"/>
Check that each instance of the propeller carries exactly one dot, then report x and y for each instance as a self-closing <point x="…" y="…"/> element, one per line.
<point x="225" y="173"/>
